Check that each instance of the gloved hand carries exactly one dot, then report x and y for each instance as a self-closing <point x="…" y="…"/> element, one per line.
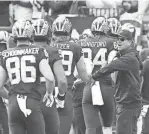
<point x="49" y="98"/>
<point x="60" y="101"/>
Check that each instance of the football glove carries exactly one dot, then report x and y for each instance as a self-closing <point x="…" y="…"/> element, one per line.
<point x="49" y="98"/>
<point x="60" y="101"/>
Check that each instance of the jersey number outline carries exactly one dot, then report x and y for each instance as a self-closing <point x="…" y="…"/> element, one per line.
<point x="100" y="54"/>
<point x="21" y="69"/>
<point x="68" y="62"/>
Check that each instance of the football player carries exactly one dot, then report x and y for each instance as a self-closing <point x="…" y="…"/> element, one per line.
<point x="41" y="31"/>
<point x="22" y="66"/>
<point x="77" y="96"/>
<point x="115" y="26"/>
<point x="97" y="49"/>
<point x="72" y="56"/>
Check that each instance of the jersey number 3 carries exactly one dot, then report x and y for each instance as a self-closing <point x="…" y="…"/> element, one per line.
<point x="17" y="69"/>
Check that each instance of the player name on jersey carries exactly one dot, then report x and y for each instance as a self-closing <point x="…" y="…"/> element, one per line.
<point x="60" y="46"/>
<point x="92" y="44"/>
<point x="20" y="52"/>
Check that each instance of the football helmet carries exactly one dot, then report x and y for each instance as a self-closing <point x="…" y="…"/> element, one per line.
<point x="114" y="25"/>
<point x="41" y="28"/>
<point x="100" y="25"/>
<point x="22" y="29"/>
<point x="61" y="26"/>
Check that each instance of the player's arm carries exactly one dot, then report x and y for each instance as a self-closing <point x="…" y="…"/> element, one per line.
<point x="56" y="62"/>
<point x="123" y="63"/>
<point x="46" y="70"/>
<point x="82" y="71"/>
<point x="80" y="66"/>
<point x="60" y="76"/>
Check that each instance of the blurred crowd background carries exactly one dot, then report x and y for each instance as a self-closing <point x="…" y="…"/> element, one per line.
<point x="80" y="12"/>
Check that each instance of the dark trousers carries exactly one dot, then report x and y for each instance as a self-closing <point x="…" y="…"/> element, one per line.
<point x="78" y="120"/>
<point x="90" y="111"/>
<point x="4" y="120"/>
<point x="126" y="120"/>
<point x="66" y="114"/>
<point x="51" y="118"/>
<point x="19" y="124"/>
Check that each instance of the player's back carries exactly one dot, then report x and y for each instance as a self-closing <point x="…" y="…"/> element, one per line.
<point x="71" y="53"/>
<point x="97" y="50"/>
<point x="22" y="66"/>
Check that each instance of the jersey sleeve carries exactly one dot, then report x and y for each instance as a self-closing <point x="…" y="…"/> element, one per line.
<point x="78" y="53"/>
<point x="43" y="54"/>
<point x="54" y="56"/>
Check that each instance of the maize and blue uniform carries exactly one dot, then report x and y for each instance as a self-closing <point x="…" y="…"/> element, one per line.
<point x="97" y="50"/>
<point x="50" y="114"/>
<point x="22" y="66"/>
<point x="71" y="53"/>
